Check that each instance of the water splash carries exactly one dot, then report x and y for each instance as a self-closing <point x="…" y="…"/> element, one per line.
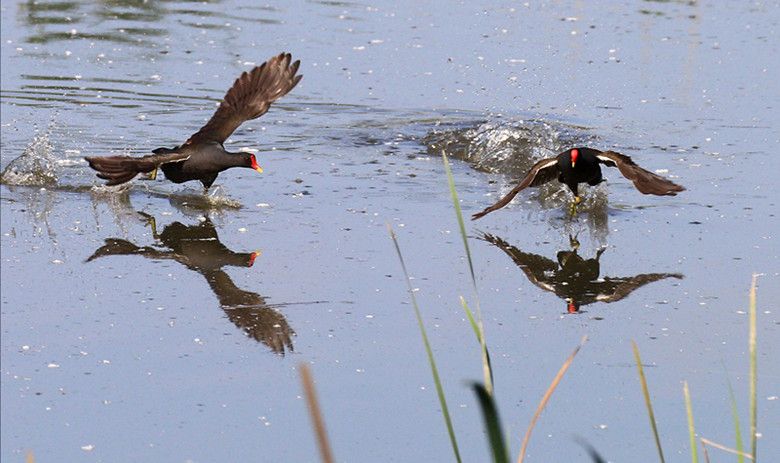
<point x="506" y="147"/>
<point x="193" y="201"/>
<point x="36" y="166"/>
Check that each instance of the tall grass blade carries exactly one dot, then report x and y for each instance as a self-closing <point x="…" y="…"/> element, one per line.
<point x="459" y="214"/>
<point x="546" y="398"/>
<point x="648" y="403"/>
<point x="707" y="442"/>
<point x="691" y="429"/>
<point x="486" y="368"/>
<point x="472" y="320"/>
<point x="316" y="414"/>
<point x="735" y="419"/>
<point x="498" y="446"/>
<point x="431" y="361"/>
<point x="753" y="376"/>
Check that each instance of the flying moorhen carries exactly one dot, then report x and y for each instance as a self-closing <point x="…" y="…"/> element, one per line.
<point x="581" y="165"/>
<point x="203" y="156"/>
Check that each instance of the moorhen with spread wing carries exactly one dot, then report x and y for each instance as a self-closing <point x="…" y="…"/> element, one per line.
<point x="582" y="165"/>
<point x="203" y="156"/>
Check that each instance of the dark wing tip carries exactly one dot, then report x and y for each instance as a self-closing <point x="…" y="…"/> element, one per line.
<point x="479" y="215"/>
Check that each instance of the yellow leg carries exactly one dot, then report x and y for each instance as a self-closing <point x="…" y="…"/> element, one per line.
<point x="573" y="207"/>
<point x="151" y="221"/>
<point x="153" y="174"/>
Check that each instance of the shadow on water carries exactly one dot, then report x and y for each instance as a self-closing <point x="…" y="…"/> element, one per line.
<point x="198" y="248"/>
<point x="573" y="278"/>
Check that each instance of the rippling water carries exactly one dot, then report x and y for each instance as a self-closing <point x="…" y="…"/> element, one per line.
<point x="151" y="322"/>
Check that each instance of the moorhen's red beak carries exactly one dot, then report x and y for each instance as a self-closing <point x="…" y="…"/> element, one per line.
<point x="255" y="166"/>
<point x="574" y="155"/>
<point x="252" y="258"/>
<point x="572" y="306"/>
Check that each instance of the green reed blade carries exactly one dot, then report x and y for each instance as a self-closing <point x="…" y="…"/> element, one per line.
<point x="735" y="419"/>
<point x="648" y="403"/>
<point x="691" y="429"/>
<point x="498" y="446"/>
<point x="431" y="361"/>
<point x="486" y="368"/>
<point x="753" y="374"/>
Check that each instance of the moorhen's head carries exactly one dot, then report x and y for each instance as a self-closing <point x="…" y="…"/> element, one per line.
<point x="574" y="153"/>
<point x="251" y="162"/>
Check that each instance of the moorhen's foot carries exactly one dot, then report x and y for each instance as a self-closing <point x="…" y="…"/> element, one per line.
<point x="573" y="209"/>
<point x="574" y="242"/>
<point x="151" y="222"/>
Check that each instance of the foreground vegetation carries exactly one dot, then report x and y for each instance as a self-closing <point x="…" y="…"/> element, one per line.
<point x="483" y="391"/>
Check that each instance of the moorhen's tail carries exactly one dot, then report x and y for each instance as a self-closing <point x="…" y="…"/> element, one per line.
<point x="250" y="97"/>
<point x="644" y="180"/>
<point x="542" y="172"/>
<point x="121" y="169"/>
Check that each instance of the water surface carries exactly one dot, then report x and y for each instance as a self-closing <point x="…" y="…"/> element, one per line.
<point x="153" y="323"/>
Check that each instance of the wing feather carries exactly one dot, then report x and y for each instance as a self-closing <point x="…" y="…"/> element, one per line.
<point x="541" y="173"/>
<point x="644" y="180"/>
<point x="121" y="169"/>
<point x="250" y="97"/>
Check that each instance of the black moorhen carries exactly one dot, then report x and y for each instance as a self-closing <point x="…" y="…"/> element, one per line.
<point x="582" y="165"/>
<point x="203" y="156"/>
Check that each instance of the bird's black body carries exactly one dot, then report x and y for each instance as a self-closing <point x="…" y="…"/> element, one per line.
<point x="205" y="161"/>
<point x="586" y="170"/>
<point x="583" y="165"/>
<point x="203" y="156"/>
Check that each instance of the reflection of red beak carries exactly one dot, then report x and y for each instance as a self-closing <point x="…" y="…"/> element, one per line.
<point x="253" y="257"/>
<point x="255" y="166"/>
<point x="572" y="307"/>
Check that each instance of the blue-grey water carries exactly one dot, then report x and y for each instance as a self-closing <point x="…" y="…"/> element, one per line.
<point x="151" y="323"/>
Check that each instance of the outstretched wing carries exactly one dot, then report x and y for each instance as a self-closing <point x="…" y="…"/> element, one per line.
<point x="250" y="97"/>
<point x="541" y="173"/>
<point x="615" y="289"/>
<point x="121" y="169"/>
<point x="535" y="267"/>
<point x="644" y="180"/>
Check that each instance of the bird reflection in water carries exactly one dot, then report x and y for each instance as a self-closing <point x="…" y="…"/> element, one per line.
<point x="198" y="248"/>
<point x="574" y="278"/>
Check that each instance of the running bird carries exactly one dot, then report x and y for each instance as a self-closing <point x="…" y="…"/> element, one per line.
<point x="582" y="165"/>
<point x="203" y="156"/>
